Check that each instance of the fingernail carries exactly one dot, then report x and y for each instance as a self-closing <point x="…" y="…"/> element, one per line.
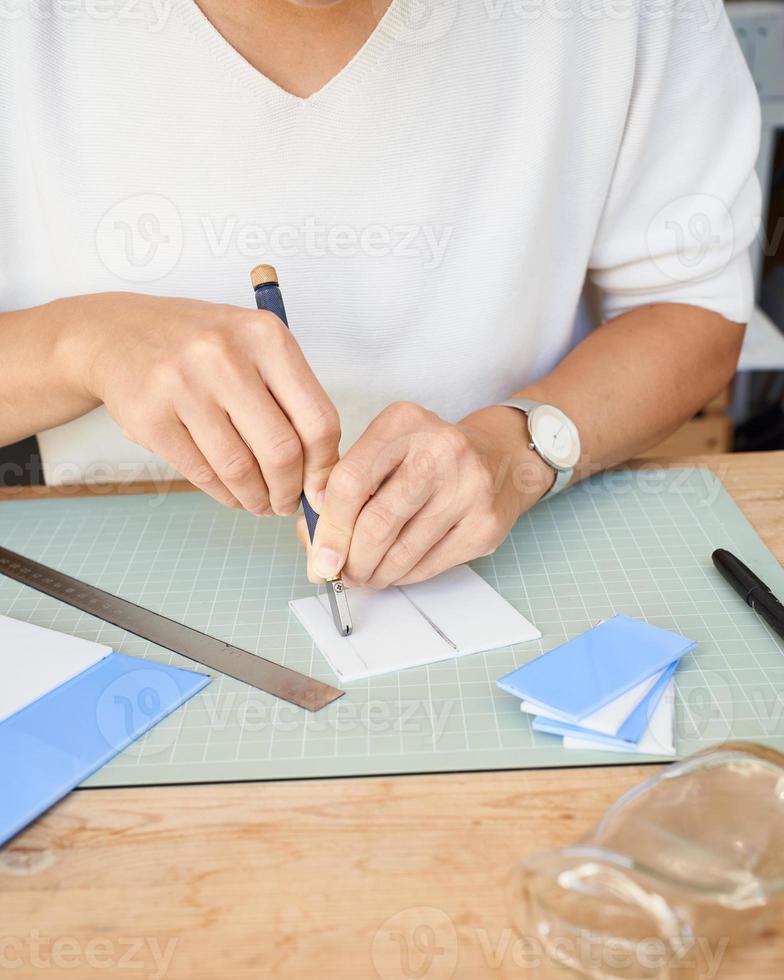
<point x="326" y="563"/>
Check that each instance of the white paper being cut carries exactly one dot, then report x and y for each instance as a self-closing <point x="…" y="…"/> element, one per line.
<point x="452" y="615"/>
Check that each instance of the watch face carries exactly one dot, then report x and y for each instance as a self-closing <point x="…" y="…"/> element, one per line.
<point x="555" y="436"/>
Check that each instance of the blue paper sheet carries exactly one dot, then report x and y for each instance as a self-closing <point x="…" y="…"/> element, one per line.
<point x="586" y="673"/>
<point x="630" y="731"/>
<point x="55" y="743"/>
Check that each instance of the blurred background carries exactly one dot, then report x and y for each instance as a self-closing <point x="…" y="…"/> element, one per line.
<point x="749" y="415"/>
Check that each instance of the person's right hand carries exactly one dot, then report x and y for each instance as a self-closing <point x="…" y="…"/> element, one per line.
<point x="222" y="393"/>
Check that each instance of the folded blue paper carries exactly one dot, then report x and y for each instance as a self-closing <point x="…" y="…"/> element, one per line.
<point x="586" y="673"/>
<point x="632" y="730"/>
<point x="55" y="743"/>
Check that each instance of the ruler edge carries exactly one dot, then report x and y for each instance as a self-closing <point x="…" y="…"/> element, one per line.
<point x="305" y="678"/>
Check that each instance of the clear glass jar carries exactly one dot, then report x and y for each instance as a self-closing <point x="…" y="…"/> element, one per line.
<point x="678" y="868"/>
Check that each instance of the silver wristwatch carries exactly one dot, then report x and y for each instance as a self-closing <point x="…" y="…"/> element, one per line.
<point x="553" y="436"/>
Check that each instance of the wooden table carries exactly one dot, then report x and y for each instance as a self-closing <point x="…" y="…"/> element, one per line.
<point x="317" y="879"/>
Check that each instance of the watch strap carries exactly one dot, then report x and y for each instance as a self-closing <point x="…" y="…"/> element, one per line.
<point x="523" y="404"/>
<point x="562" y="477"/>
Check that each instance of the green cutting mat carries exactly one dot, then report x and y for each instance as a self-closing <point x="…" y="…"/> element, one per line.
<point x="638" y="544"/>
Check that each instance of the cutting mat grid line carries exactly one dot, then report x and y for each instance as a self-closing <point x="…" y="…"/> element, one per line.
<point x="641" y="548"/>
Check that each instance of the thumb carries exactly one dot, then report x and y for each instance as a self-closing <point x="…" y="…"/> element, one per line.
<point x="302" y="533"/>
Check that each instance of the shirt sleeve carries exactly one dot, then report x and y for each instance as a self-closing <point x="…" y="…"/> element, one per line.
<point x="684" y="200"/>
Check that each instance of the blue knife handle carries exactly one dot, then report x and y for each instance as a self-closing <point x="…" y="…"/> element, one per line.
<point x="311" y="517"/>
<point x="270" y="298"/>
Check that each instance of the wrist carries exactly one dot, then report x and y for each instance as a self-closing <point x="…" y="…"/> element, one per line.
<point x="80" y="329"/>
<point x="530" y="476"/>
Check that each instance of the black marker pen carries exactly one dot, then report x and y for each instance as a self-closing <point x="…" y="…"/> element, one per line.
<point x="751" y="589"/>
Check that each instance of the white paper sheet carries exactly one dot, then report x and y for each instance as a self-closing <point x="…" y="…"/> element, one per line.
<point x="35" y="660"/>
<point x="392" y="632"/>
<point x="657" y="739"/>
<point x="607" y="720"/>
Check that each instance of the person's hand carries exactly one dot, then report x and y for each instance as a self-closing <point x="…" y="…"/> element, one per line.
<point x="416" y="495"/>
<point x="222" y="393"/>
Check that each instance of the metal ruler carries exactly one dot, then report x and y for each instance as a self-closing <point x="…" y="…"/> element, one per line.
<point x="215" y="654"/>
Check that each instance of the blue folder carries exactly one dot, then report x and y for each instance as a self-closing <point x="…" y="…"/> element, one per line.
<point x="632" y="730"/>
<point x="586" y="673"/>
<point x="55" y="743"/>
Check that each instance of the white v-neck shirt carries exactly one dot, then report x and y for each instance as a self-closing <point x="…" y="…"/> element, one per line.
<point x="432" y="211"/>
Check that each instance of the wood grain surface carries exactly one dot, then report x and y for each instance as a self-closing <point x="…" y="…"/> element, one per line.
<point x="400" y="878"/>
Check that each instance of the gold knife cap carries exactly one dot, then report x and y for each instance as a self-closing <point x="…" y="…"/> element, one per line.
<point x="263" y="274"/>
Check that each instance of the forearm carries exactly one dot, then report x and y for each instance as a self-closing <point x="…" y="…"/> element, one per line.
<point x="639" y="377"/>
<point x="40" y="386"/>
<point x="629" y="384"/>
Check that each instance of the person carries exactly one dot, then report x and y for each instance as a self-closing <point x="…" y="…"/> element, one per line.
<point x="445" y="187"/>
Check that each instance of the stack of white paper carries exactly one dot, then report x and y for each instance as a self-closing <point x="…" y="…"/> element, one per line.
<point x="610" y="688"/>
<point x="605" y="729"/>
<point x="452" y="615"/>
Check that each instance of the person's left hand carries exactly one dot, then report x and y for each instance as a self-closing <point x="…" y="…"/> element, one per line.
<point x="416" y="495"/>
